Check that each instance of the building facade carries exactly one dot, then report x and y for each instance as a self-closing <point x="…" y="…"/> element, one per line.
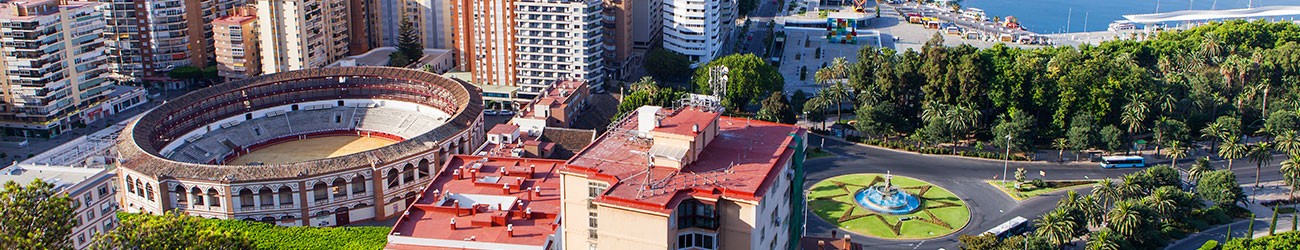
<point x="52" y="68"/>
<point x="530" y="44"/>
<point x="713" y="182"/>
<point x="630" y="25"/>
<point x="698" y="29"/>
<point x="302" y="34"/>
<point x="92" y="190"/>
<point x="148" y="38"/>
<point x="235" y="37"/>
<point x="430" y="18"/>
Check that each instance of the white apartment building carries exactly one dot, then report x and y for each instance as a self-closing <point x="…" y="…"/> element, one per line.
<point x="699" y="29"/>
<point x="558" y="40"/>
<point x="530" y="43"/>
<point x="52" y="67"/>
<point x="301" y="34"/>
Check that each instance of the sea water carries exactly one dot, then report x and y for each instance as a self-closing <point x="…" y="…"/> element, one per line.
<point x="1060" y="16"/>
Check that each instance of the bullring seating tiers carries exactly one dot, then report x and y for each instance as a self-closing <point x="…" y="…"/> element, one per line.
<point x="215" y="145"/>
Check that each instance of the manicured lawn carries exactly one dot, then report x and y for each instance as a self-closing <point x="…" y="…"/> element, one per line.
<point x="934" y="201"/>
<point x="1010" y="188"/>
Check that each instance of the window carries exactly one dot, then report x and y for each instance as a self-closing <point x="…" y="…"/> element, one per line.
<point x="695" y="241"/>
<point x="89" y="198"/>
<point x="358" y="184"/>
<point x="286" y="196"/>
<point x="591" y="220"/>
<point x="596" y="189"/>
<point x="695" y="214"/>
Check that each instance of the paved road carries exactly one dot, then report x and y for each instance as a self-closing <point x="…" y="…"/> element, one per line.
<point x="752" y="39"/>
<point x="963" y="176"/>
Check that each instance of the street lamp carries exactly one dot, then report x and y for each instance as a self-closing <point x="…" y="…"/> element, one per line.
<point x="1006" y="161"/>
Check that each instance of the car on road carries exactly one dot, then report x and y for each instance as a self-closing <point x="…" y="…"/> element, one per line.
<point x="505" y="112"/>
<point x="489" y="112"/>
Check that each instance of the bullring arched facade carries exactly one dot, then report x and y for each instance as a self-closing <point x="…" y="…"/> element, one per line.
<point x="370" y="185"/>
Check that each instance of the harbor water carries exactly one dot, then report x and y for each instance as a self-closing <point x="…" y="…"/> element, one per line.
<point x="1061" y="16"/>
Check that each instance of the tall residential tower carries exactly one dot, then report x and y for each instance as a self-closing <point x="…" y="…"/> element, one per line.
<point x="53" y="65"/>
<point x="530" y="43"/>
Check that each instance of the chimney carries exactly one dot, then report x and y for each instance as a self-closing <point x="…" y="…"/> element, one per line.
<point x="455" y="207"/>
<point x="848" y="243"/>
<point x="695" y="128"/>
<point x="821" y="245"/>
<point x="453" y="223"/>
<point x="510" y="230"/>
<point x="505" y="188"/>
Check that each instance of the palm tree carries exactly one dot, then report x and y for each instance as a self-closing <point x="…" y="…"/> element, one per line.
<point x="960" y="119"/>
<point x="1232" y="150"/>
<point x="1061" y="144"/>
<point x="1126" y="218"/>
<point x="818" y="104"/>
<point x="1176" y="151"/>
<point x="1092" y="211"/>
<point x="1130" y="188"/>
<point x="835" y="94"/>
<point x="1056" y="227"/>
<point x="1287" y="142"/>
<point x="1291" y="173"/>
<point x="1211" y="47"/>
<point x="1201" y="166"/>
<point x="1215" y="131"/>
<point x="1261" y="154"/>
<point x="1105" y="190"/>
<point x="1104" y="240"/>
<point x="1161" y="202"/>
<point x="1135" y="113"/>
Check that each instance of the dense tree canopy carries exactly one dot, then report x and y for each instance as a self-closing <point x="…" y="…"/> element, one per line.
<point x="647" y="92"/>
<point x="35" y="216"/>
<point x="776" y="109"/>
<point x="1167" y="88"/>
<point x="748" y="77"/>
<point x="667" y="65"/>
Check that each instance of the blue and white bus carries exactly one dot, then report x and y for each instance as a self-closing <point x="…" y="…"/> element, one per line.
<point x="1015" y="226"/>
<point x="1123" y="162"/>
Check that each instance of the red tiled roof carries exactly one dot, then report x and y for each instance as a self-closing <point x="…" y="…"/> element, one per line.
<point x="739" y="164"/>
<point x="504" y="128"/>
<point x="552" y="98"/>
<point x="430" y="217"/>
<point x="682" y="121"/>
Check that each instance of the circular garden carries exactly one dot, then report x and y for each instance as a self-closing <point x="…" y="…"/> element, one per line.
<point x="941" y="212"/>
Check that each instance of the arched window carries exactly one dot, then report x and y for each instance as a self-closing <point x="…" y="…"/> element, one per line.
<point x="182" y="198"/>
<point x="245" y="198"/>
<point x="408" y="173"/>
<point x="358" y="184"/>
<point x="339" y="188"/>
<point x="130" y="185"/>
<point x="319" y="192"/>
<point x="213" y="197"/>
<point x="139" y="188"/>
<point x="423" y="168"/>
<point x="148" y="189"/>
<point x="286" y="195"/>
<point x="198" y="196"/>
<point x="266" y="197"/>
<point x="392" y="178"/>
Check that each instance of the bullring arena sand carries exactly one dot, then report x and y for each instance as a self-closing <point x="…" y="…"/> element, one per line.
<point x="312" y="149"/>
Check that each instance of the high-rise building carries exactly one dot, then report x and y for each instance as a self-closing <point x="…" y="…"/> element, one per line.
<point x="235" y="37"/>
<point x="630" y="25"/>
<point x="148" y="38"/>
<point x="301" y="34"/>
<point x="52" y="67"/>
<point x="687" y="178"/>
<point x="430" y="18"/>
<point x="530" y="43"/>
<point x="698" y="29"/>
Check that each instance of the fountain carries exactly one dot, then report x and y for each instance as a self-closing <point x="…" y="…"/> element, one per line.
<point x="886" y="198"/>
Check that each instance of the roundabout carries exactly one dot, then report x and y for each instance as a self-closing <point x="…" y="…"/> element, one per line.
<point x="888" y="207"/>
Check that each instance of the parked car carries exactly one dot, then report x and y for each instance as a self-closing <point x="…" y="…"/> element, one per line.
<point x="489" y="112"/>
<point x="505" y="112"/>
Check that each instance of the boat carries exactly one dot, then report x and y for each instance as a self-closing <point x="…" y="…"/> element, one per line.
<point x="975" y="14"/>
<point x="1011" y="22"/>
<point x="1121" y="26"/>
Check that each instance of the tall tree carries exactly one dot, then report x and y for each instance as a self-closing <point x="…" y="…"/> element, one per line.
<point x="1134" y="115"/>
<point x="1081" y="133"/>
<point x="775" y="109"/>
<point x="170" y="230"/>
<point x="1199" y="168"/>
<point x="1291" y="173"/>
<point x="1176" y="150"/>
<point x="667" y="65"/>
<point x="1261" y="153"/>
<point x="1060" y="144"/>
<point x="1106" y="191"/>
<point x="1127" y="219"/>
<point x="1287" y="142"/>
<point x="1110" y="137"/>
<point x="748" y="76"/>
<point x="1232" y="149"/>
<point x="1055" y="226"/>
<point x="408" y="41"/>
<point x="1105" y="239"/>
<point x="35" y="216"/>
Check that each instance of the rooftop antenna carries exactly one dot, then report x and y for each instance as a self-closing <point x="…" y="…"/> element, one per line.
<point x="650" y="164"/>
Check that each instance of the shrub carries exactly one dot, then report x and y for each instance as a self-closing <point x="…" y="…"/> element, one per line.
<point x="1210" y="245"/>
